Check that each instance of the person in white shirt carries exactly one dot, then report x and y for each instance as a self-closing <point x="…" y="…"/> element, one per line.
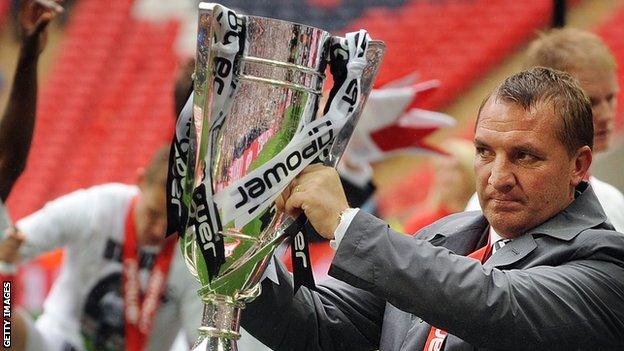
<point x="122" y="285"/>
<point x="586" y="57"/>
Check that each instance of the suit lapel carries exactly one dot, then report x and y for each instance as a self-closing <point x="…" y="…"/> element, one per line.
<point x="513" y="252"/>
<point x="465" y="240"/>
<point x="583" y="213"/>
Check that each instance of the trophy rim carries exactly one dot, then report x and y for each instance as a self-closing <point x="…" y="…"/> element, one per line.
<point x="290" y="22"/>
<point x="203" y="5"/>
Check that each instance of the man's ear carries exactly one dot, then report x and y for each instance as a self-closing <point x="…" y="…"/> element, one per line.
<point x="582" y="161"/>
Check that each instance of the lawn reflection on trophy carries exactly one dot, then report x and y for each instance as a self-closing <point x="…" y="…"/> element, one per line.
<point x="252" y="128"/>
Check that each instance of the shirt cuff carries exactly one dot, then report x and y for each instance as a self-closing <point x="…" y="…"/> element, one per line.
<point x="346" y="217"/>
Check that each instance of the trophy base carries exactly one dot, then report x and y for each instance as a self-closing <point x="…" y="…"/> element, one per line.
<point x="221" y="322"/>
<point x="220" y="325"/>
<point x="215" y="344"/>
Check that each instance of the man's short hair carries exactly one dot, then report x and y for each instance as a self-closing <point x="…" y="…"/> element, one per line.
<point x="568" y="50"/>
<point x="156" y="170"/>
<point x="540" y="85"/>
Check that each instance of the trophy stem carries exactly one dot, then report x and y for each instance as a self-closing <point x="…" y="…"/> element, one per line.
<point x="220" y="324"/>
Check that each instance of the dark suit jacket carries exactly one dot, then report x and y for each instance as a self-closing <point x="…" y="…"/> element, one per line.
<point x="558" y="287"/>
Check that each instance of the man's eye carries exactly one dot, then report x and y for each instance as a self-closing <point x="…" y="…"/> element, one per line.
<point x="483" y="152"/>
<point x="525" y="156"/>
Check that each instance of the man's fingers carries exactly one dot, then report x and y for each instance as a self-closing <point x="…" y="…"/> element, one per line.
<point x="35" y="15"/>
<point x="293" y="204"/>
<point x="42" y="23"/>
<point x="50" y="5"/>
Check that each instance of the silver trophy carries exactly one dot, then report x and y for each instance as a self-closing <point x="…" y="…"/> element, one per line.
<point x="253" y="125"/>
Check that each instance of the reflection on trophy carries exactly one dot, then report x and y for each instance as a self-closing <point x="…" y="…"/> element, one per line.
<point x="252" y="127"/>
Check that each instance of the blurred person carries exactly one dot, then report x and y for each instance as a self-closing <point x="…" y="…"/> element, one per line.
<point x="18" y="119"/>
<point x="545" y="270"/>
<point x="183" y="86"/>
<point x="453" y="184"/>
<point x="587" y="58"/>
<point x="122" y="285"/>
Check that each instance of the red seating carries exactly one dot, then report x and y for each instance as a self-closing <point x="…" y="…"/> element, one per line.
<point x="454" y="41"/>
<point x="105" y="107"/>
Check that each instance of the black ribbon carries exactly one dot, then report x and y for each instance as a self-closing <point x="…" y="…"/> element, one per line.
<point x="177" y="210"/>
<point x="208" y="231"/>
<point x="300" y="230"/>
<point x="300" y="253"/>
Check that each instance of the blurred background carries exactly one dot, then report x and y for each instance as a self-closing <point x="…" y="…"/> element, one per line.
<point x="107" y="77"/>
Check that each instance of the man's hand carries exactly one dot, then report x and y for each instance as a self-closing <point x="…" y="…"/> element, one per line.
<point x="34" y="17"/>
<point x="317" y="192"/>
<point x="9" y="246"/>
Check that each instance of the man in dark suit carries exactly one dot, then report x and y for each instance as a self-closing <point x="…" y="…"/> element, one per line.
<point x="545" y="269"/>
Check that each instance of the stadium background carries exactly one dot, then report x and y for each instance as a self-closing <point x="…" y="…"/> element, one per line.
<point x="106" y="93"/>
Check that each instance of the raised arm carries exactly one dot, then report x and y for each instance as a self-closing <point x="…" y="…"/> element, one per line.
<point x="18" y="120"/>
<point x="334" y="316"/>
<point x="561" y="303"/>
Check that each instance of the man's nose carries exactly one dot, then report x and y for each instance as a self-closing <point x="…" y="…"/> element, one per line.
<point x="502" y="177"/>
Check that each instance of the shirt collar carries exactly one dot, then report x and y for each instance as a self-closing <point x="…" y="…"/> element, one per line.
<point x="494" y="237"/>
<point x="583" y="213"/>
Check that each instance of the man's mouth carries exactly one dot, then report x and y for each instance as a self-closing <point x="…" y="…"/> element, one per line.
<point x="504" y="202"/>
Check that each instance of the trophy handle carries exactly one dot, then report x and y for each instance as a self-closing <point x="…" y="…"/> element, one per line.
<point x="301" y="262"/>
<point x="374" y="56"/>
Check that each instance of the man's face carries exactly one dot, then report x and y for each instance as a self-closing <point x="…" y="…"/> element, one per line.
<point x="524" y="174"/>
<point x="602" y="87"/>
<point x="151" y="214"/>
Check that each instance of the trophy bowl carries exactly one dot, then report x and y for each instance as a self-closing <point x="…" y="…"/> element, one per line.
<point x="253" y="125"/>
